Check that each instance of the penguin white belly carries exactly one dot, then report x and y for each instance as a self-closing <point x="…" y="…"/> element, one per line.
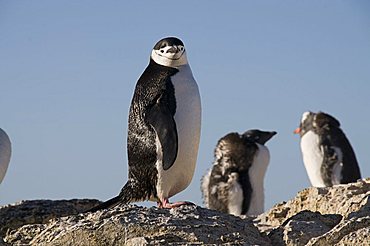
<point x="312" y="158"/>
<point x="256" y="176"/>
<point x="188" y="121"/>
<point x="5" y="152"/>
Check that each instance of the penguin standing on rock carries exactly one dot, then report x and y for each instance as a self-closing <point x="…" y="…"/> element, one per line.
<point x="5" y="153"/>
<point x="163" y="129"/>
<point x="235" y="182"/>
<point x="327" y="154"/>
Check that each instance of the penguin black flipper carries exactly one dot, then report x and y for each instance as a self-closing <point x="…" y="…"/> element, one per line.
<point x="331" y="157"/>
<point x="247" y="190"/>
<point x="160" y="117"/>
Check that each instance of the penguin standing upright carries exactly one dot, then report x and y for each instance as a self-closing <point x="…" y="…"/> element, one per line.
<point x="327" y="154"/>
<point x="163" y="129"/>
<point x="234" y="184"/>
<point x="5" y="153"/>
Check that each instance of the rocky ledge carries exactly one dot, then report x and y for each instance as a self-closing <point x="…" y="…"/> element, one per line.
<point x="339" y="215"/>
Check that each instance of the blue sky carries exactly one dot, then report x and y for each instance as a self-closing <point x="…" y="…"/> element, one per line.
<point x="68" y="71"/>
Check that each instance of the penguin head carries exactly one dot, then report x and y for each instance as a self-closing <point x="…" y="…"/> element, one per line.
<point x="306" y="124"/>
<point x="169" y="52"/>
<point x="316" y="121"/>
<point x="258" y="136"/>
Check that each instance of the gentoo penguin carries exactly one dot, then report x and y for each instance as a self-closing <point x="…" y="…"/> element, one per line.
<point x="235" y="182"/>
<point x="327" y="154"/>
<point x="163" y="129"/>
<point x="5" y="152"/>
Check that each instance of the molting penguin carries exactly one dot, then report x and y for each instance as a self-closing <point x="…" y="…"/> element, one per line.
<point x="327" y="154"/>
<point x="235" y="182"/>
<point x="163" y="129"/>
<point x="5" y="153"/>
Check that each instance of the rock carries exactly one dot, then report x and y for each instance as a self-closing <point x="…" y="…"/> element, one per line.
<point x="353" y="230"/>
<point x="338" y="215"/>
<point x="321" y="216"/>
<point x="300" y="228"/>
<point x="339" y="199"/>
<point x="40" y="211"/>
<point x="134" y="225"/>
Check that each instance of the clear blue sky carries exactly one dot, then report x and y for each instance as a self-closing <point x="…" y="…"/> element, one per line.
<point x="68" y="71"/>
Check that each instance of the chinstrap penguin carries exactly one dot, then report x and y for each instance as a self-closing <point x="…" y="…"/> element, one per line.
<point x="327" y="154"/>
<point x="234" y="184"/>
<point x="5" y="153"/>
<point x="163" y="129"/>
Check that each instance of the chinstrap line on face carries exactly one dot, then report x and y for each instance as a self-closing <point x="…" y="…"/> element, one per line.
<point x="169" y="52"/>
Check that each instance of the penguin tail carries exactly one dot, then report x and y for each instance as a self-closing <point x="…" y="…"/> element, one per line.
<point x="107" y="204"/>
<point x="124" y="197"/>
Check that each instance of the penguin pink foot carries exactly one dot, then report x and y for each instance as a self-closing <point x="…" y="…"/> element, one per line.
<point x="166" y="204"/>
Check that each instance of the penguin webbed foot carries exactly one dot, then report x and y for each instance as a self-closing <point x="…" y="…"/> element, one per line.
<point x="166" y="204"/>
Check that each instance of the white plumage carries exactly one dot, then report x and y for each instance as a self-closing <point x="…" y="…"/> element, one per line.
<point x="257" y="176"/>
<point x="5" y="153"/>
<point x="312" y="158"/>
<point x="188" y="122"/>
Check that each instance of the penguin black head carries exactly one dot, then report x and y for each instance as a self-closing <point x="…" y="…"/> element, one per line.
<point x="259" y="136"/>
<point x="316" y="121"/>
<point x="169" y="52"/>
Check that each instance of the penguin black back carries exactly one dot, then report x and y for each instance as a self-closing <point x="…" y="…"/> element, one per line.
<point x="140" y="152"/>
<point x="331" y="137"/>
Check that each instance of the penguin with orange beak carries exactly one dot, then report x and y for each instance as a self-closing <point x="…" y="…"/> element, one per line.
<point x="327" y="154"/>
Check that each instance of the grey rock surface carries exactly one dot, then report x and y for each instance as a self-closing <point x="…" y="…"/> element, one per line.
<point x="13" y="216"/>
<point x="338" y="215"/>
<point x="134" y="225"/>
<point x="353" y="230"/>
<point x="339" y="199"/>
<point x="300" y="228"/>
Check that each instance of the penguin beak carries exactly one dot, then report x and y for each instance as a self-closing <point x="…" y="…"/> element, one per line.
<point x="297" y="131"/>
<point x="173" y="49"/>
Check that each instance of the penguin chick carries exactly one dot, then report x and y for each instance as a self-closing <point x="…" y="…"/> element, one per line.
<point x="234" y="184"/>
